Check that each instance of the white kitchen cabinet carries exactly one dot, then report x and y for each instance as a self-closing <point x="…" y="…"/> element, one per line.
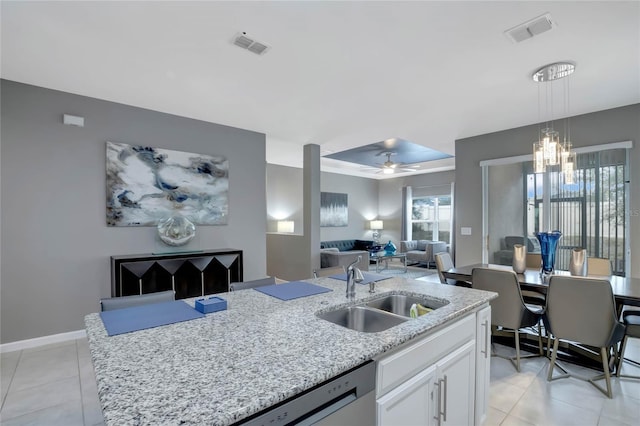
<point x="432" y="381"/>
<point x="439" y="395"/>
<point x="483" y="363"/>
<point x="411" y="403"/>
<point x="454" y="391"/>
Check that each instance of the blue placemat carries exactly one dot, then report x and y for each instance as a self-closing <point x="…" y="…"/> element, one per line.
<point x="292" y="290"/>
<point x="126" y="320"/>
<point x="368" y="277"/>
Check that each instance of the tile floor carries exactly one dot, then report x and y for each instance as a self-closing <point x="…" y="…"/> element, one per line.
<point x="55" y="385"/>
<point x="526" y="398"/>
<point x="50" y="385"/>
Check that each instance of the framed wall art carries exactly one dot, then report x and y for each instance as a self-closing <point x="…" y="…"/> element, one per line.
<point x="147" y="185"/>
<point x="334" y="209"/>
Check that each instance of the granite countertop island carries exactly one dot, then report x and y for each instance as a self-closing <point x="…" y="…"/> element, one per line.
<point x="231" y="364"/>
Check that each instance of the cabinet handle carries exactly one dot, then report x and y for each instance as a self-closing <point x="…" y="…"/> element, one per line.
<point x="486" y="339"/>
<point x="444" y="412"/>
<point x="444" y="404"/>
<point x="439" y="411"/>
<point x="437" y="416"/>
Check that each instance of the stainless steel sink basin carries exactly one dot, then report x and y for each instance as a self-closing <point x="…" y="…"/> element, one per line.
<point x="361" y="318"/>
<point x="400" y="304"/>
<point x="379" y="314"/>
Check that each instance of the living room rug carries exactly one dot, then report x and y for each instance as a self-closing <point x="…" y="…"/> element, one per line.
<point x="413" y="272"/>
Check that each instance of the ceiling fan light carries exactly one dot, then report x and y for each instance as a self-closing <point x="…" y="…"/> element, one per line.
<point x="388" y="170"/>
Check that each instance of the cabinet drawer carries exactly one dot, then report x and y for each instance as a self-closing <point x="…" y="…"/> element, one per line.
<point x="400" y="366"/>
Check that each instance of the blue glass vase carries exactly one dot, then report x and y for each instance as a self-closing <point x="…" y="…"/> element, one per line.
<point x="390" y="248"/>
<point x="548" y="247"/>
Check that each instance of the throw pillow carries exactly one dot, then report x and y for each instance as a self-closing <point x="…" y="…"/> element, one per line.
<point x="362" y="245"/>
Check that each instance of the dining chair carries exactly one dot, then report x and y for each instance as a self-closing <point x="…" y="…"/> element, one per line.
<point x="327" y="272"/>
<point x="533" y="260"/>
<point x="598" y="266"/>
<point x="444" y="263"/>
<point x="532" y="297"/>
<point x="243" y="285"/>
<point x="112" y="303"/>
<point x="508" y="310"/>
<point x="631" y="320"/>
<point x="582" y="310"/>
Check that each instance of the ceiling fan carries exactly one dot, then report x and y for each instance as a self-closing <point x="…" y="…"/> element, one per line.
<point x="390" y="167"/>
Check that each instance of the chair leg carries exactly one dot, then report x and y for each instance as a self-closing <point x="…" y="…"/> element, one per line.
<point x="553" y="359"/>
<point x="517" y="335"/>
<point x="592" y="380"/>
<point x="515" y="360"/>
<point x="540" y="352"/>
<point x="605" y="367"/>
<point x="621" y="355"/>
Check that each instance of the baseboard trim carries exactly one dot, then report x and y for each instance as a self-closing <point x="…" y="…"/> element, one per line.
<point x="41" y="341"/>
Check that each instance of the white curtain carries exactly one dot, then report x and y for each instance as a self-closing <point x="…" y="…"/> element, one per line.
<point x="407" y="201"/>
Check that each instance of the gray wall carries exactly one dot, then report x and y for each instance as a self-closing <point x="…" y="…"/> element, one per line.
<point x="614" y="125"/>
<point x="55" y="242"/>
<point x="284" y="188"/>
<point x="286" y="253"/>
<point x="284" y="200"/>
<point x="363" y="205"/>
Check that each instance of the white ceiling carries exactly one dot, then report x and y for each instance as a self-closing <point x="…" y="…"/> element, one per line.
<point x="338" y="74"/>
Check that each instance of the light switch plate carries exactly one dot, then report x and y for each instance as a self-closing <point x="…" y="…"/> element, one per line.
<point x="465" y="230"/>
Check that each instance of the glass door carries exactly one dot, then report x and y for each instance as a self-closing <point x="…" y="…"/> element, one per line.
<point x="590" y="212"/>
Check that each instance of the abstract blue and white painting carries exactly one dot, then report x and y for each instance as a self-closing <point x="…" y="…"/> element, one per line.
<point x="334" y="209"/>
<point x="147" y="185"/>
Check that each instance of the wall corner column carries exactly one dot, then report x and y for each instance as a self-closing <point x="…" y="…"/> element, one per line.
<point x="311" y="204"/>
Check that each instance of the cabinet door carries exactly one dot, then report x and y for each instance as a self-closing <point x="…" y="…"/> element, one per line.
<point x="455" y="387"/>
<point x="411" y="403"/>
<point x="483" y="363"/>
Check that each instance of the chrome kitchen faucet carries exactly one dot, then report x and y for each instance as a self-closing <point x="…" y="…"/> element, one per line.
<point x="354" y="275"/>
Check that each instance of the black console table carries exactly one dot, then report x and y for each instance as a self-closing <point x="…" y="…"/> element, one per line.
<point x="189" y="274"/>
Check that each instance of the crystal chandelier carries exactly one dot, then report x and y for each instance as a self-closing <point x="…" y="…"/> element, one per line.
<point x="548" y="150"/>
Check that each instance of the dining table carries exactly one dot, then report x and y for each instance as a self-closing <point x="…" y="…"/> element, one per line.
<point x="626" y="290"/>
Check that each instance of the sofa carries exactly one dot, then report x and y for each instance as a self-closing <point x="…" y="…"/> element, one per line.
<point x="345" y="252"/>
<point x="422" y="251"/>
<point x="504" y="256"/>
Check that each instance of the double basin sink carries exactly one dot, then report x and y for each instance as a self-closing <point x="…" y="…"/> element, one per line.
<point x="379" y="314"/>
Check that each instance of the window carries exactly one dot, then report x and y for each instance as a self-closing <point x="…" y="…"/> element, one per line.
<point x="431" y="218"/>
<point x="590" y="212"/>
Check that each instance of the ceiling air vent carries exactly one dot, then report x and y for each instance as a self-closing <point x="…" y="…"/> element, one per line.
<point x="242" y="40"/>
<point x="530" y="28"/>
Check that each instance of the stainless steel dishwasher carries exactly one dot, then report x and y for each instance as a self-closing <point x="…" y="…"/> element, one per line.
<point x="347" y="399"/>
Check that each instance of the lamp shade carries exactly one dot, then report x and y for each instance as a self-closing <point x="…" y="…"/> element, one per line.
<point x="376" y="224"/>
<point x="285" y="226"/>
